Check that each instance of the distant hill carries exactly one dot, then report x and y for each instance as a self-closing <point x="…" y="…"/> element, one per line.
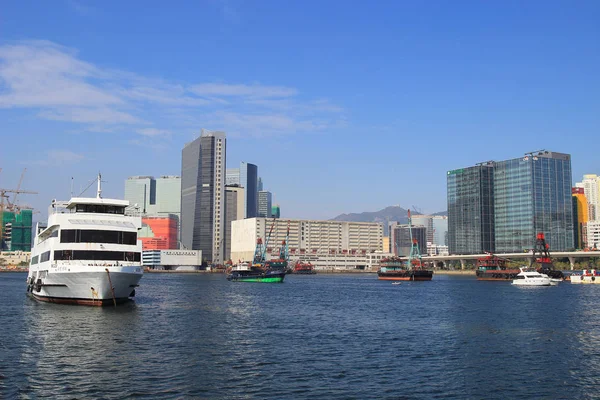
<point x="391" y="213"/>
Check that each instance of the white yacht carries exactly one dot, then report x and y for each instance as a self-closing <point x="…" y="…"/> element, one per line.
<point x="531" y="278"/>
<point x="88" y="253"/>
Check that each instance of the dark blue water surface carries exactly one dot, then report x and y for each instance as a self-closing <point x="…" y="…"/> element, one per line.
<point x="323" y="336"/>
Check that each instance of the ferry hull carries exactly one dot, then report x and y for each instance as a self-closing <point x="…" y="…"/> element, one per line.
<point x="89" y="287"/>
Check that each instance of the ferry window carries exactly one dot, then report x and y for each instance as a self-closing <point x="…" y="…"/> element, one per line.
<point x="129" y="238"/>
<point x="45" y="256"/>
<point x="34" y="260"/>
<point x="104" y="255"/>
<point x="54" y="233"/>
<point x="94" y="236"/>
<point x="67" y="235"/>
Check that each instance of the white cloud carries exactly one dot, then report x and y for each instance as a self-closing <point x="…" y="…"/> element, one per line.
<point x="52" y="80"/>
<point x="227" y="90"/>
<point x="151" y="132"/>
<point x="58" y="157"/>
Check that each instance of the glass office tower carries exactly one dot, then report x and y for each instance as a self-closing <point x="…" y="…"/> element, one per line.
<point x="533" y="194"/>
<point x="471" y="209"/>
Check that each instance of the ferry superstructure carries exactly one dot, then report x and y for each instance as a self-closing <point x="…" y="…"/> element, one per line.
<point x="87" y="254"/>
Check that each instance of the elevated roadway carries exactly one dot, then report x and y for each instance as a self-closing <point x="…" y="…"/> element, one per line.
<point x="571" y="255"/>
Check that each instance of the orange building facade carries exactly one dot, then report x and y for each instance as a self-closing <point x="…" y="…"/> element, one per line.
<point x="158" y="233"/>
<point x="580" y="209"/>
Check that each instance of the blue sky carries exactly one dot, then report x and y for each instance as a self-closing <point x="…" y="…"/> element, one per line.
<point x="344" y="106"/>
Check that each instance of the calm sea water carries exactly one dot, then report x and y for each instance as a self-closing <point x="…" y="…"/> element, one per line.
<point x="323" y="336"/>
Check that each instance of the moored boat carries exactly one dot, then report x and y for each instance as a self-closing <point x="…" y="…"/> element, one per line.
<point x="493" y="268"/>
<point x="396" y="269"/>
<point x="586" y="276"/>
<point x="529" y="277"/>
<point x="304" y="268"/>
<point x="246" y="272"/>
<point x="88" y="253"/>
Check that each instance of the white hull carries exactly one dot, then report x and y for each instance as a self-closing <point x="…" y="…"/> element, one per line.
<point x="87" y="284"/>
<point x="532" y="278"/>
<point x="585" y="279"/>
<point x="536" y="282"/>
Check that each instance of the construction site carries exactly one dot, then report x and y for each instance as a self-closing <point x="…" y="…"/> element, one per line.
<point x="16" y="227"/>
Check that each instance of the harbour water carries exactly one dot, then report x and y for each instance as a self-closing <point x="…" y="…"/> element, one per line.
<point x="321" y="336"/>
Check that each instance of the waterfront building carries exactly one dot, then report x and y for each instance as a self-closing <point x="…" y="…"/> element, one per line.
<point x="234" y="210"/>
<point x="580" y="217"/>
<point x="276" y="211"/>
<point x="265" y="199"/>
<point x="203" y="195"/>
<point x="159" y="233"/>
<point x="427" y="222"/>
<point x="533" y="194"/>
<point x="140" y="191"/>
<point x="593" y="235"/>
<point x="179" y="260"/>
<point x="386" y="244"/>
<point x="326" y="244"/>
<point x="591" y="187"/>
<point x="501" y="206"/>
<point x="402" y="242"/>
<point x="471" y="209"/>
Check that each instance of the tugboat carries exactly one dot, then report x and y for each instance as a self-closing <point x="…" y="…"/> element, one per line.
<point x="493" y="268"/>
<point x="304" y="268"/>
<point x="544" y="260"/>
<point x="394" y="268"/>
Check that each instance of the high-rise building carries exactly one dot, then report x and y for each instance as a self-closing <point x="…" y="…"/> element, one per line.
<point x="580" y="217"/>
<point x="533" y="194"/>
<point x="260" y="184"/>
<point x="276" y="211"/>
<point x="203" y="195"/>
<point x="471" y="209"/>
<point x="234" y="210"/>
<point x="249" y="181"/>
<point x="265" y="199"/>
<point x="232" y="176"/>
<point x="140" y="191"/>
<point x="159" y="197"/>
<point x="591" y="187"/>
<point x="500" y="206"/>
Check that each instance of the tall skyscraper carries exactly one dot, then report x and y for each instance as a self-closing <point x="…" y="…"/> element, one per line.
<point x="203" y="195"/>
<point x="533" y="194"/>
<point x="249" y="181"/>
<point x="265" y="206"/>
<point x="500" y="206"/>
<point x="591" y="187"/>
<point x="471" y="209"/>
<point x="260" y="184"/>
<point x="234" y="210"/>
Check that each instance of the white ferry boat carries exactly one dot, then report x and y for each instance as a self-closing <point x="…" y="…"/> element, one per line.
<point x="87" y="254"/>
<point x="532" y="278"/>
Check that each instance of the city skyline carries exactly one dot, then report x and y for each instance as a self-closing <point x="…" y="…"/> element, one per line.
<point x="476" y="81"/>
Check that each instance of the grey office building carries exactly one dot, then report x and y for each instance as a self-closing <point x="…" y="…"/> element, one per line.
<point x="533" y="194"/>
<point x="501" y="206"/>
<point x="471" y="209"/>
<point x="203" y="195"/>
<point x="249" y="181"/>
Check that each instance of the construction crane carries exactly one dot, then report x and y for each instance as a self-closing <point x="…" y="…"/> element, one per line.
<point x="7" y="205"/>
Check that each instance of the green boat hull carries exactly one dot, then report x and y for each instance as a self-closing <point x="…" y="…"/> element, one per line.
<point x="259" y="279"/>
